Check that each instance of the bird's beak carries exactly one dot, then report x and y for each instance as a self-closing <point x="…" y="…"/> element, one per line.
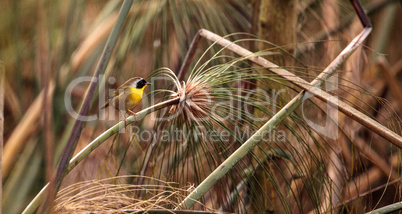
<point x="148" y="83"/>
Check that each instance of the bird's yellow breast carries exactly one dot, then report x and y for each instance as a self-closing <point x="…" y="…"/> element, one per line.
<point x="134" y="97"/>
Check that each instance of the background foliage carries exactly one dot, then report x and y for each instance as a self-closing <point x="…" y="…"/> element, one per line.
<point x="301" y="173"/>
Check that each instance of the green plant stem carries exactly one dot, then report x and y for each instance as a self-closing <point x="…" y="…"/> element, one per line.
<point x="2" y="77"/>
<point x="383" y="32"/>
<point x="218" y="173"/>
<point x="314" y="90"/>
<point x="388" y="209"/>
<point x="76" y="131"/>
<point x="94" y="144"/>
<point x="371" y="8"/>
<point x="189" y="57"/>
<point x="43" y="66"/>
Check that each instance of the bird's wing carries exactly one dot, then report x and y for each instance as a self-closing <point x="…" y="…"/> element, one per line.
<point x="123" y="87"/>
<point x="128" y="82"/>
<point x="120" y="91"/>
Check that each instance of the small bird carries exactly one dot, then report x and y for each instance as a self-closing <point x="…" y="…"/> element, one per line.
<point x="128" y="95"/>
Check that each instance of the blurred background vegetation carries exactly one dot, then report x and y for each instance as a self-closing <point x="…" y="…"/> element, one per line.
<point x="51" y="43"/>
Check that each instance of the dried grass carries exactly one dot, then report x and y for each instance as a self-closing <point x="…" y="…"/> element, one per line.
<point x="115" y="194"/>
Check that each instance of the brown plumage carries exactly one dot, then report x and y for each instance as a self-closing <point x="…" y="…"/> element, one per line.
<point x="129" y="94"/>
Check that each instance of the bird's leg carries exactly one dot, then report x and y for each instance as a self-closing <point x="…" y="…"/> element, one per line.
<point x="124" y="117"/>
<point x="132" y="113"/>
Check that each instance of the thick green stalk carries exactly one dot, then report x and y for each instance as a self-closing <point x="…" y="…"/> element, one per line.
<point x="2" y="77"/>
<point x="388" y="209"/>
<point x="218" y="173"/>
<point x="76" y="131"/>
<point x="316" y="91"/>
<point x="94" y="144"/>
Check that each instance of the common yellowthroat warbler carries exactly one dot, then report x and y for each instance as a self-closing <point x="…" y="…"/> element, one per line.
<point x="128" y="94"/>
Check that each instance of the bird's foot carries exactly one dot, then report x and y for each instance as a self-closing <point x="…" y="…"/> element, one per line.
<point x="133" y="113"/>
<point x="125" y="120"/>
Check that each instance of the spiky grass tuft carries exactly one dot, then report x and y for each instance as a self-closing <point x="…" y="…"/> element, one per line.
<point x="195" y="102"/>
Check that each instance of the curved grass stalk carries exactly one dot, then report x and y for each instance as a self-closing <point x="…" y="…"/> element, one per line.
<point x="2" y="77"/>
<point x="312" y="88"/>
<point x="315" y="89"/>
<point x="243" y="150"/>
<point x="388" y="209"/>
<point x="76" y="131"/>
<point x="94" y="144"/>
